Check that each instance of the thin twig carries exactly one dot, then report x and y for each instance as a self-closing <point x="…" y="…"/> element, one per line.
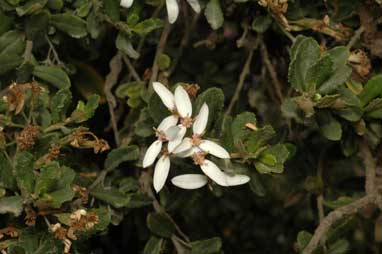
<point x="183" y="43"/>
<point x="355" y="37"/>
<point x="145" y="180"/>
<point x="159" y="52"/>
<point x="112" y="79"/>
<point x="131" y="68"/>
<point x="335" y="216"/>
<point x="28" y="50"/>
<point x="271" y="70"/>
<point x="372" y="197"/>
<point x="244" y="72"/>
<point x="370" y="166"/>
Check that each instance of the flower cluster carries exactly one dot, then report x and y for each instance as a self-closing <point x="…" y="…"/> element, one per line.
<point x="172" y="7"/>
<point x="172" y="130"/>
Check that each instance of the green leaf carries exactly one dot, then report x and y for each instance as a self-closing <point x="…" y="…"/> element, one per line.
<point x="279" y="154"/>
<point x="54" y="75"/>
<point x="160" y="225"/>
<point x="214" y="14"/>
<point x="5" y="23"/>
<point x="84" y="112"/>
<point x="341" y="201"/>
<point x="147" y="26"/>
<point x="70" y="24"/>
<point x="37" y="242"/>
<point x="318" y="73"/>
<point x="305" y="54"/>
<point x="9" y="62"/>
<point x="303" y="238"/>
<point x="372" y="89"/>
<point x="111" y="8"/>
<point x="208" y="246"/>
<point x="54" y="185"/>
<point x="110" y="196"/>
<point x="55" y="5"/>
<point x="31" y="7"/>
<point x="7" y="180"/>
<point x="37" y="25"/>
<point x="256" y="185"/>
<point x="123" y="43"/>
<point x="341" y="71"/>
<point x="339" y="77"/>
<point x="259" y="138"/>
<point x="25" y="176"/>
<point x="164" y="62"/>
<point x="214" y="98"/>
<point x="11" y="43"/>
<point x="239" y="130"/>
<point x="120" y="155"/>
<point x="59" y="104"/>
<point x="12" y="204"/>
<point x="138" y="200"/>
<point x="261" y="23"/>
<point x="154" y="245"/>
<point x="329" y="126"/>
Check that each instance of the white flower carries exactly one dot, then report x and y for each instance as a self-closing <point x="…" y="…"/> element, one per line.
<point x="181" y="108"/>
<point x="166" y="131"/>
<point x="207" y="146"/>
<point x="198" y="148"/>
<point x="126" y="3"/>
<point x="172" y="7"/>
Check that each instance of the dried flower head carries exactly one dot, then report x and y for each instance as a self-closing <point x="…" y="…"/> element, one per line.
<point x="26" y="138"/>
<point x="360" y="62"/>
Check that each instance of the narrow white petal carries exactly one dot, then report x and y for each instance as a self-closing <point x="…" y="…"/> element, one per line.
<point x="168" y="122"/>
<point x="214" y="149"/>
<point x="172" y="10"/>
<point x="172" y="133"/>
<point x="128" y="3"/>
<point x="173" y="143"/>
<point x="188" y="153"/>
<point x="166" y="96"/>
<point x="189" y="181"/>
<point x="194" y="5"/>
<point x="212" y="171"/>
<point x="233" y="180"/>
<point x="201" y="120"/>
<point x="151" y="153"/>
<point x="161" y="172"/>
<point x="185" y="145"/>
<point x="183" y="102"/>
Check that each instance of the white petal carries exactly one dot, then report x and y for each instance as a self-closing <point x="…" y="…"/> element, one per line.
<point x="172" y="144"/>
<point x="233" y="180"/>
<point x="214" y="149"/>
<point x="172" y="10"/>
<point x="185" y="145"/>
<point x="201" y="120"/>
<point x="189" y="181"/>
<point x="172" y="133"/>
<point x="168" y="122"/>
<point x="212" y="171"/>
<point x="161" y="172"/>
<point x="151" y="153"/>
<point x="166" y="96"/>
<point x="128" y="3"/>
<point x="194" y="5"/>
<point x="188" y="153"/>
<point x="183" y="102"/>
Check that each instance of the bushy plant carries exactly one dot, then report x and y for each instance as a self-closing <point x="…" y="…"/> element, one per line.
<point x="190" y="126"/>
